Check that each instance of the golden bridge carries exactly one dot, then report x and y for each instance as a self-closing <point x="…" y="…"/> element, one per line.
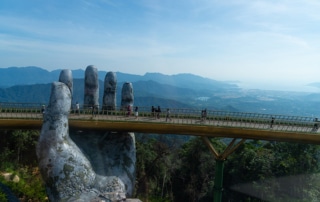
<point x="211" y="123"/>
<point x="181" y="121"/>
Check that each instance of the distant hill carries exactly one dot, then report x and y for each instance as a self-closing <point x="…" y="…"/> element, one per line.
<point x="33" y="84"/>
<point x="35" y="75"/>
<point x="163" y="95"/>
<point x="25" y="76"/>
<point x="36" y="93"/>
<point x="188" y="81"/>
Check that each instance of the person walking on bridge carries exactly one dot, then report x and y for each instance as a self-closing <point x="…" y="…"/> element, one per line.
<point x="272" y="122"/>
<point x="153" y="111"/>
<point x="168" y="115"/>
<point x="128" y="110"/>
<point x="316" y="125"/>
<point x="158" y="112"/>
<point x="136" y="112"/>
<point x="204" y="115"/>
<point x="77" y="108"/>
<point x="43" y="108"/>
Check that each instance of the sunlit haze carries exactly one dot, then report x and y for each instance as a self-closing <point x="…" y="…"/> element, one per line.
<point x="271" y="44"/>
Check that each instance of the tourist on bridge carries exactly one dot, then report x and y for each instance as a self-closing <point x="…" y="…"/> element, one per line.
<point x="272" y="122"/>
<point x="94" y="109"/>
<point x="168" y="115"/>
<point x="136" y="113"/>
<point x="204" y="115"/>
<point x="316" y="125"/>
<point x="128" y="110"/>
<point x="153" y="111"/>
<point x="158" y="112"/>
<point x="43" y="108"/>
<point x="77" y="108"/>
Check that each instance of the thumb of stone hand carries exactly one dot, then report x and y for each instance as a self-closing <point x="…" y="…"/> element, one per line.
<point x="67" y="172"/>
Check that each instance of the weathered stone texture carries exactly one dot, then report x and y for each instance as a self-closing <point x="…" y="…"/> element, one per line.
<point x="110" y="153"/>
<point x="91" y="87"/>
<point x="66" y="77"/>
<point x="65" y="172"/>
<point x="110" y="88"/>
<point x="127" y="97"/>
<point x="85" y="165"/>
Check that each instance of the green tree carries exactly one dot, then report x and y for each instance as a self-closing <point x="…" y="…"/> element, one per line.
<point x="295" y="167"/>
<point x="18" y="146"/>
<point x="155" y="164"/>
<point x="25" y="142"/>
<point x="248" y="168"/>
<point x="273" y="172"/>
<point x="193" y="180"/>
<point x="18" y="156"/>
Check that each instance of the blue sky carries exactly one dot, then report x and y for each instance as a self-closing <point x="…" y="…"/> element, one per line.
<point x="262" y="42"/>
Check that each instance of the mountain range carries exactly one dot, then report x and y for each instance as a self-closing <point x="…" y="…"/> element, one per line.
<point x="33" y="84"/>
<point x="35" y="75"/>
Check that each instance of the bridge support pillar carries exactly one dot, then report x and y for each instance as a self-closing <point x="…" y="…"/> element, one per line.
<point x="218" y="180"/>
<point x="219" y="167"/>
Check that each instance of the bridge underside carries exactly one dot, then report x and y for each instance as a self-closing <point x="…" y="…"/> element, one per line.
<point x="167" y="128"/>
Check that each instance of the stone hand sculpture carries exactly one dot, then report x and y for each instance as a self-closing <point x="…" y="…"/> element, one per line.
<point x="73" y="169"/>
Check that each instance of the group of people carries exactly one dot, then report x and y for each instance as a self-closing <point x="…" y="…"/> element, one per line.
<point x="136" y="111"/>
<point x="94" y="109"/>
<point x="156" y="113"/>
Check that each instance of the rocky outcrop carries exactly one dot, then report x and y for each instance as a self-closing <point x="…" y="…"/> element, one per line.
<point x="84" y="165"/>
<point x="10" y="177"/>
<point x="110" y="88"/>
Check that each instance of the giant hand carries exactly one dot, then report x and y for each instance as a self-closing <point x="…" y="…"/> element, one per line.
<point x="82" y="165"/>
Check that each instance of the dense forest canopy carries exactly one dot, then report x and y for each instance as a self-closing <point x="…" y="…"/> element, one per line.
<point x="181" y="168"/>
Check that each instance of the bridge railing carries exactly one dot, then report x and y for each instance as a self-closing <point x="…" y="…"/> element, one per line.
<point x="21" y="110"/>
<point x="212" y="117"/>
<point x="177" y="116"/>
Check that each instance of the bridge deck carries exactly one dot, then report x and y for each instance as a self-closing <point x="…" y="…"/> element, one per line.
<point x="186" y="122"/>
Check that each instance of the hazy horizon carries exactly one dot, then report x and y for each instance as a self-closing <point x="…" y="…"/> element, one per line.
<point x="244" y="84"/>
<point x="279" y="86"/>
